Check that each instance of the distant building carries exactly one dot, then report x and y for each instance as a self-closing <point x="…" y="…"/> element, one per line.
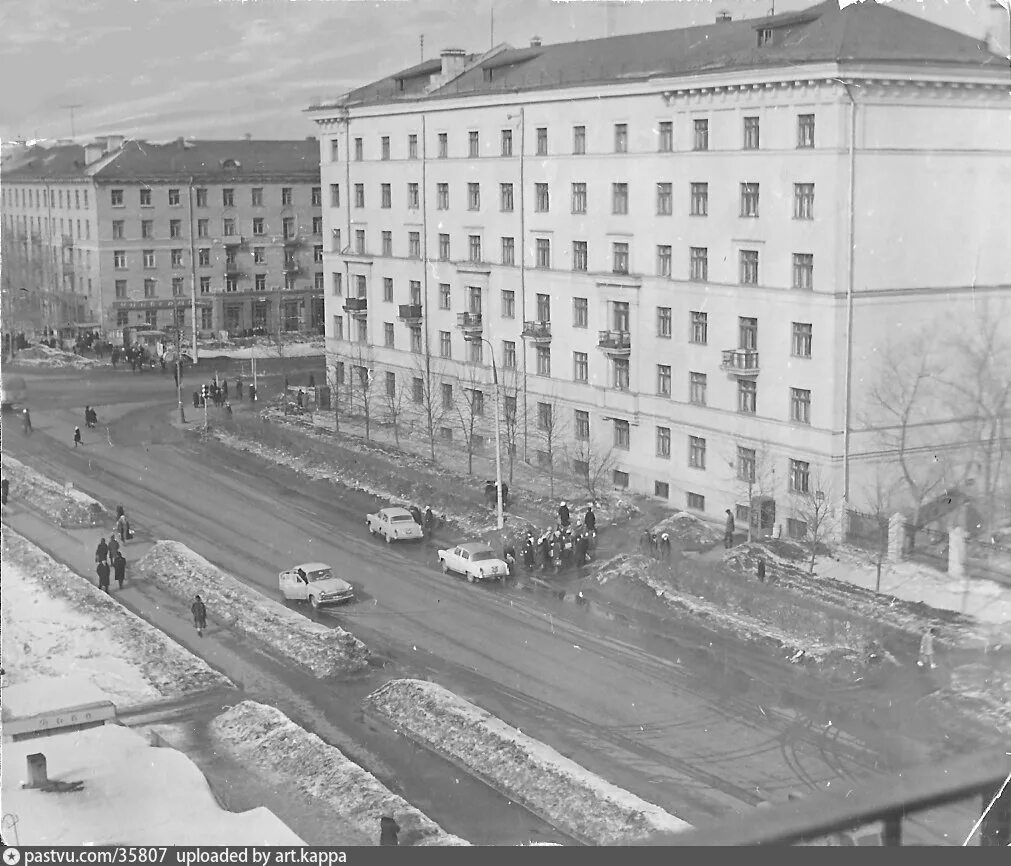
<point x="133" y="233"/>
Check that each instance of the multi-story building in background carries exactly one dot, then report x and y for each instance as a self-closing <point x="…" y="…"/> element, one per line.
<point x="228" y="232"/>
<point x="683" y="251"/>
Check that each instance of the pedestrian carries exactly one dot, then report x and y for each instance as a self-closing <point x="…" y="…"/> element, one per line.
<point x="26" y="417"/>
<point x="238" y="390"/>
<point x="94" y="418"/>
<point x="563" y="514"/>
<point x="113" y="547"/>
<point x="388" y="829"/>
<point x="926" y="660"/>
<point x="429" y="522"/>
<point x="102" y="551"/>
<point x="77" y="437"/>
<point x="761" y="571"/>
<point x="728" y="531"/>
<point x="115" y="357"/>
<point x="665" y="547"/>
<point x="123" y="526"/>
<point x="224" y="390"/>
<point x="416" y="514"/>
<point x="252" y="393"/>
<point x="5" y="488"/>
<point x="228" y="409"/>
<point x="579" y="550"/>
<point x="301" y="399"/>
<point x="590" y="519"/>
<point x="199" y="610"/>
<point x="87" y="416"/>
<point x="312" y="380"/>
<point x="103" y="575"/>
<point x="119" y="568"/>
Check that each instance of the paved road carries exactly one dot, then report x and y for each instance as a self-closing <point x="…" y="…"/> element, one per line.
<point x="650" y="713"/>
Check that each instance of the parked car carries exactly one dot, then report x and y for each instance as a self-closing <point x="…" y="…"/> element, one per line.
<point x="394" y="524"/>
<point x="314" y="582"/>
<point x="475" y="560"/>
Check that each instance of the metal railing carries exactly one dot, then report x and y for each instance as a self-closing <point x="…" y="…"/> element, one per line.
<point x="740" y="360"/>
<point x="614" y="341"/>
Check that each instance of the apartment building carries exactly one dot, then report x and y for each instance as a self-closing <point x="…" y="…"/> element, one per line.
<point x="680" y="250"/>
<point x="206" y="235"/>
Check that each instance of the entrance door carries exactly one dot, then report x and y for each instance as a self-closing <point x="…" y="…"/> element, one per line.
<point x="233" y="314"/>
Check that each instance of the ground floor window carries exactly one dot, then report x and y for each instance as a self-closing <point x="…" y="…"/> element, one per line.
<point x="620" y="479"/>
<point x="122" y="318"/>
<point x="206" y="318"/>
<point x="233" y="317"/>
<point x="661" y="489"/>
<point x="259" y="314"/>
<point x="290" y="316"/>
<point x="796" y="528"/>
<point x="151" y="317"/>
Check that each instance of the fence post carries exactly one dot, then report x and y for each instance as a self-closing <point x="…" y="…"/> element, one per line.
<point x="896" y="533"/>
<point x="957" y="551"/>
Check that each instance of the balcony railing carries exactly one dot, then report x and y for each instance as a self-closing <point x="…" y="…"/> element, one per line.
<point x="356" y="306"/>
<point x="470" y="323"/>
<point x="410" y="313"/>
<point x="234" y="241"/>
<point x="740" y="362"/>
<point x="615" y="342"/>
<point x="538" y="332"/>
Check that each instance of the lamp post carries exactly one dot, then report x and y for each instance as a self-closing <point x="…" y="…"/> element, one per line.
<point x="474" y="338"/>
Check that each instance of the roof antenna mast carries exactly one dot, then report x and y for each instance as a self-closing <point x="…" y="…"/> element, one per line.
<point x="71" y="109"/>
<point x="492" y="45"/>
<point x="422" y="47"/>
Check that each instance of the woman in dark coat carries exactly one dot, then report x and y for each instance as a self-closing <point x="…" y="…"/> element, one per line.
<point x="103" y="575"/>
<point x="119" y="568"/>
<point x="102" y="551"/>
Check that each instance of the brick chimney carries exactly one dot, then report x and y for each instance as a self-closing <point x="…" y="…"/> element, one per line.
<point x="453" y="60"/>
<point x="535" y="41"/>
<point x="113" y="143"/>
<point x="723" y="17"/>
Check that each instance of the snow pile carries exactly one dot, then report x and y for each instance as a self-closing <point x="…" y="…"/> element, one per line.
<point x="261" y="348"/>
<point x="132" y="794"/>
<point x="267" y="738"/>
<point x="560" y="791"/>
<point x="985" y="690"/>
<point x="43" y="356"/>
<point x="63" y="505"/>
<point x="56" y="623"/>
<point x="687" y="531"/>
<point x="325" y="652"/>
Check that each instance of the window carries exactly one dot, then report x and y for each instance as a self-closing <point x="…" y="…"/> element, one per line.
<point x="800" y="476"/>
<point x="117" y="229"/>
<point x="543" y="307"/>
<point x="622" y="434"/>
<point x="388" y="335"/>
<point x="582" y="424"/>
<point x="476" y="400"/>
<point x="387" y="239"/>
<point x="508" y="251"/>
<point x="580" y="313"/>
<point x="747" y="332"/>
<point x="149" y="259"/>
<point x="663" y="261"/>
<point x="391" y="384"/>
<point x="335" y="195"/>
<point x="751" y="133"/>
<point x="474" y="143"/>
<point x="801" y="340"/>
<point x="509" y="361"/>
<point x="544" y="416"/>
<point x="173" y="198"/>
<point x="749" y="199"/>
<point x="334" y="150"/>
<point x="696" y="452"/>
<point x="228" y="227"/>
<point x="412" y="196"/>
<point x="621" y="138"/>
<point x="412" y="146"/>
<point x="542" y="141"/>
<point x="361" y="285"/>
<point x="203" y="228"/>
<point x="443" y="145"/>
<point x="508" y="304"/>
<point x="580" y="367"/>
<point x="803" y="271"/>
<point x="447" y="395"/>
<point x="619" y="198"/>
<point x="749" y="267"/>
<point x="699" y="264"/>
<point x="619" y="251"/>
<point x="416" y="292"/>
<point x="204" y="257"/>
<point x="286" y="196"/>
<point x="747" y="396"/>
<point x="579" y="198"/>
<point x="696" y="501"/>
<point x="288" y="227"/>
<point x="474" y="247"/>
<point x="385" y="196"/>
<point x="359" y="195"/>
<point x="805" y="130"/>
<point x="444" y="248"/>
<point x="177" y="258"/>
<point x="803" y="201"/>
<point x="701" y="139"/>
<point x="360" y="241"/>
<point x="697" y="388"/>
<point x="579" y="140"/>
<point x="700" y="199"/>
<point x="442" y="196"/>
<point x="663" y="380"/>
<point x="543" y="360"/>
<point x="619" y="479"/>
<point x="228" y="198"/>
<point x="506" y="197"/>
<point x="664" y="199"/>
<point x="666" y="137"/>
<point x="414" y="245"/>
<point x="445" y="344"/>
<point x="746" y="464"/>
<point x="120" y="288"/>
<point x="259" y="255"/>
<point x="473" y="196"/>
<point x="205" y="287"/>
<point x="580" y="256"/>
<point x="384" y="147"/>
<point x="543" y="253"/>
<point x="444" y="296"/>
<point x="620" y="316"/>
<point x="175" y="228"/>
<point x="145" y="198"/>
<point x="475" y="352"/>
<point x="800" y="405"/>
<point x="663" y="443"/>
<point x="507" y="142"/>
<point x="260" y="282"/>
<point x="359" y="150"/>
<point x="258" y="226"/>
<point x="620" y="372"/>
<point x="663" y="322"/>
<point x="542" y="199"/>
<point x="417" y="389"/>
<point x="202" y="197"/>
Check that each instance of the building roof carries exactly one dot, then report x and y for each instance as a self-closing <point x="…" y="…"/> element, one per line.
<point x="863" y="32"/>
<point x="61" y="161"/>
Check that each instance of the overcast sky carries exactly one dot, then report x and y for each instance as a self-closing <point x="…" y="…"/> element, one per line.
<point x="158" y="69"/>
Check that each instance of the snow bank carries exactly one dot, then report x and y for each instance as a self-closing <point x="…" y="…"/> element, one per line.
<point x="267" y="738"/>
<point x="564" y="794"/>
<point x="262" y="349"/>
<point x="65" y="506"/>
<point x="56" y="624"/>
<point x="325" y="652"/>
<point x="43" y="356"/>
<point x="687" y="531"/>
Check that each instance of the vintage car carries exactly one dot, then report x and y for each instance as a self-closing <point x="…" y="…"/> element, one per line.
<point x="314" y="582"/>
<point x="475" y="560"/>
<point x="394" y="524"/>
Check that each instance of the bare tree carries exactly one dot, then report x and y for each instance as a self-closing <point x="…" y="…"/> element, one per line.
<point x="551" y="429"/>
<point x="754" y="471"/>
<point x="426" y="394"/>
<point x="393" y="399"/>
<point x="361" y="379"/>
<point x="334" y="380"/>
<point x="593" y="465"/>
<point x="513" y="411"/>
<point x="812" y="503"/>
<point x="469" y="407"/>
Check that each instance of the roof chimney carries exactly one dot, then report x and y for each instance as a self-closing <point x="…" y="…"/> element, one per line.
<point x="113" y="142"/>
<point x="723" y="17"/>
<point x="453" y="60"/>
<point x="535" y="41"/>
<point x="94" y="151"/>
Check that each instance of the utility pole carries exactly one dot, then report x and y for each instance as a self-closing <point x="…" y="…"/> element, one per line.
<point x="71" y="109"/>
<point x="179" y="367"/>
<point x="422" y="46"/>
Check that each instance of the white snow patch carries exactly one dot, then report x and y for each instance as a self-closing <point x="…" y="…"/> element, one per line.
<point x="266" y="737"/>
<point x="133" y="794"/>
<point x="43" y="356"/>
<point x="57" y="624"/>
<point x="325" y="652"/>
<point x="529" y="772"/>
<point x="302" y="349"/>
<point x="63" y="504"/>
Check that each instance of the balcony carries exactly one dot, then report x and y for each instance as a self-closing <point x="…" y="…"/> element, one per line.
<point x="537" y="332"/>
<point x="68" y="241"/>
<point x="356" y="306"/>
<point x="617" y="344"/>
<point x="293" y="240"/>
<point x="234" y="241"/>
<point x="292" y="268"/>
<point x="471" y="324"/>
<point x="410" y="314"/>
<point x="233" y="269"/>
<point x="742" y="363"/>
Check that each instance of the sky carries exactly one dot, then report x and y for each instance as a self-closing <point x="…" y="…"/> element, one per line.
<point x="159" y="69"/>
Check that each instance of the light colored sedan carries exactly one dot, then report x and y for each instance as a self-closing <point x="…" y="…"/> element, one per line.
<point x="475" y="560"/>
<point x="314" y="582"/>
<point x="394" y="524"/>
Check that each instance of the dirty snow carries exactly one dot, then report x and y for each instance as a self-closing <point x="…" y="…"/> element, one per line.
<point x="261" y="349"/>
<point x="527" y="771"/>
<point x="43" y="356"/>
<point x="267" y="738"/>
<point x="325" y="652"/>
<point x="57" y="623"/>
<point x="687" y="531"/>
<point x="64" y="505"/>
<point x="133" y="794"/>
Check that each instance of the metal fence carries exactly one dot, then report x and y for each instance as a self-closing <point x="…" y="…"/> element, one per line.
<point x="867" y="531"/>
<point x="926" y="545"/>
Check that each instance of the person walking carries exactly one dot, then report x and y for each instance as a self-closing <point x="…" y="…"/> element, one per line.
<point x="102" y="551"/>
<point x="563" y="514"/>
<point x="238" y="390"/>
<point x="5" y="489"/>
<point x="199" y="611"/>
<point x="77" y="437"/>
<point x="224" y="390"/>
<point x="926" y="660"/>
<point x="103" y="575"/>
<point x="122" y="524"/>
<point x="228" y="409"/>
<point x="429" y="521"/>
<point x="728" y="530"/>
<point x="87" y="416"/>
<point x="113" y="547"/>
<point x="26" y="420"/>
<point x="119" y="568"/>
<point x="590" y="519"/>
<point x="665" y="547"/>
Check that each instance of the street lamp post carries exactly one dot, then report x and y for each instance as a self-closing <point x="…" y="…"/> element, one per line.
<point x="498" y="438"/>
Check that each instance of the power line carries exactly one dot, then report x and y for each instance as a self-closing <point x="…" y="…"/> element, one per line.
<point x="71" y="109"/>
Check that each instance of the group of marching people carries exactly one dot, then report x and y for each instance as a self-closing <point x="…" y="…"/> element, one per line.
<point x="558" y="546"/>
